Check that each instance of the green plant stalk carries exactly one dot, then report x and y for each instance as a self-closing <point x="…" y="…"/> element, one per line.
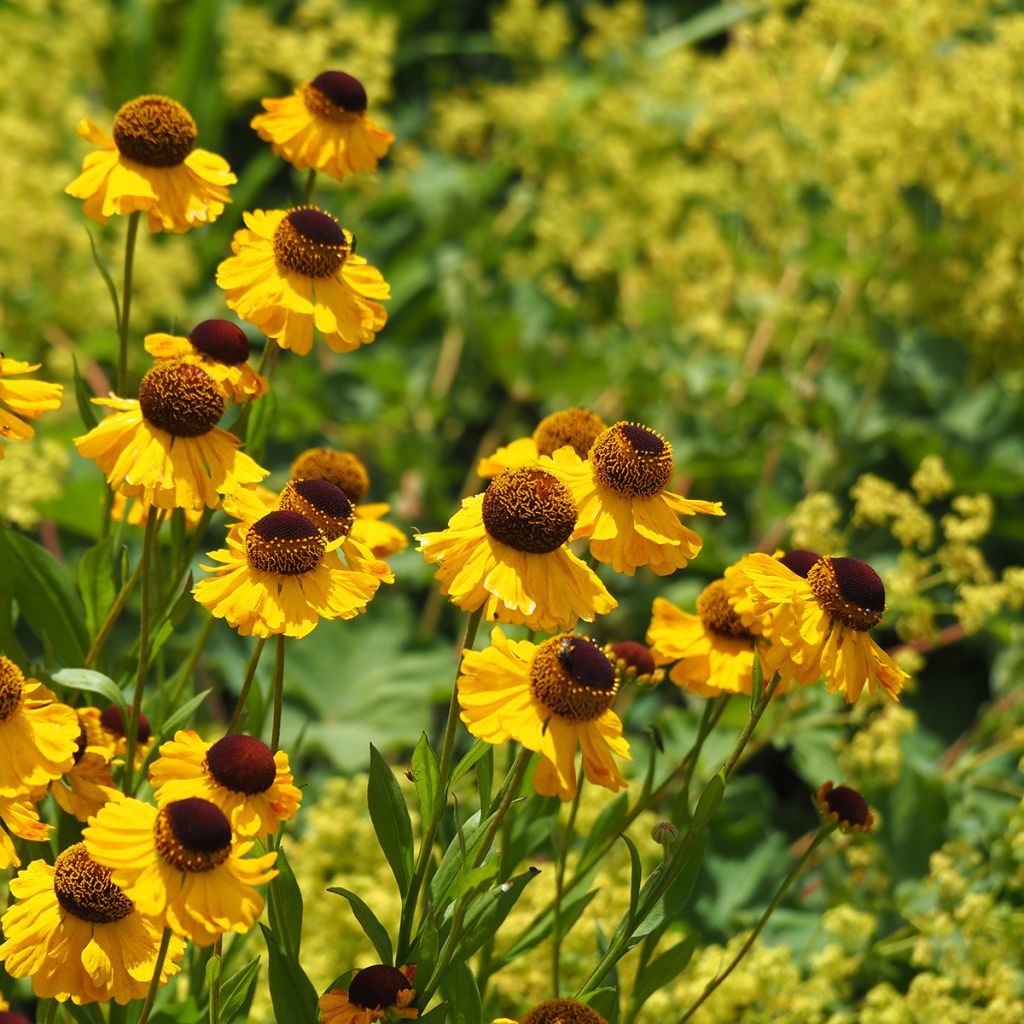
<point x="563" y="856"/>
<point x="161" y="955"/>
<point x="50" y="1013"/>
<point x="112" y="616"/>
<point x="250" y="674"/>
<point x="189" y="664"/>
<point x="126" y="302"/>
<point x="275" y="732"/>
<point x="712" y="985"/>
<point x="444" y="769"/>
<point x="748" y="729"/>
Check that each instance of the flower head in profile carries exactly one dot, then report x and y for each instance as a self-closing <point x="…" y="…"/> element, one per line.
<point x="252" y="786"/>
<point x="576" y="427"/>
<point x="151" y="165"/>
<point x="634" y="663"/>
<point x="296" y="270"/>
<point x="181" y="865"/>
<point x="506" y="551"/>
<point x="18" y="817"/>
<point x="845" y="807"/>
<point x="28" y="398"/>
<point x="106" y="731"/>
<point x="221" y="349"/>
<point x="88" y="784"/>
<point x="552" y="698"/>
<point x="557" y="1011"/>
<point x="625" y="511"/>
<point x="166" y="448"/>
<point x="323" y="125"/>
<point x="78" y="936"/>
<point x="373" y="993"/>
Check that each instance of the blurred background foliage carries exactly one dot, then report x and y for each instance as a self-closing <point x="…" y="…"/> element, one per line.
<point x="787" y="235"/>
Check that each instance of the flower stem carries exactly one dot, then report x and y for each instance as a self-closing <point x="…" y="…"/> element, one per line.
<point x="112" y="616"/>
<point x="748" y="730"/>
<point x="310" y="188"/>
<point x="126" y="301"/>
<point x="563" y="856"/>
<point x="275" y="733"/>
<point x="250" y="674"/>
<point x="161" y="955"/>
<point x="822" y="834"/>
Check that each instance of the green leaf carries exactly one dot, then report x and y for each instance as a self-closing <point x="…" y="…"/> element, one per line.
<point x="477" y="879"/>
<point x="291" y="991"/>
<point x="541" y="927"/>
<point x="606" y="1002"/>
<point x="474" y="754"/>
<point x="286" y="907"/>
<point x="455" y="859"/>
<point x="428" y="944"/>
<point x="485" y="777"/>
<point x="486" y="913"/>
<point x="213" y="987"/>
<point x="96" y="583"/>
<point x="111" y="288"/>
<point x="172" y="618"/>
<point x="82" y="396"/>
<point x="636" y="874"/>
<point x="390" y="819"/>
<point x="236" y="991"/>
<point x="463" y="995"/>
<point x="671" y="904"/>
<point x="608" y="824"/>
<point x="91" y="682"/>
<point x="662" y="971"/>
<point x="436" y="1015"/>
<point x="372" y="928"/>
<point x="426" y="775"/>
<point x="757" y="680"/>
<point x="708" y="802"/>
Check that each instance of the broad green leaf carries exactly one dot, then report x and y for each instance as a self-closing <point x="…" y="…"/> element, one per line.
<point x="636" y="874"/>
<point x="757" y="679"/>
<point x="91" y="682"/>
<point x="472" y="756"/>
<point x="390" y="819"/>
<point x="436" y="1015"/>
<point x="671" y="904"/>
<point x="286" y="907"/>
<point x="213" y="966"/>
<point x="428" y="944"/>
<point x="485" y="777"/>
<point x="463" y="996"/>
<point x="372" y="928"/>
<point x="173" y="618"/>
<point x="427" y="778"/>
<point x="291" y="991"/>
<point x="606" y="1002"/>
<point x="708" y="802"/>
<point x="662" y="971"/>
<point x="96" y="583"/>
<point x="235" y="991"/>
<point x="487" y="912"/>
<point x="443" y="884"/>
<point x="477" y="879"/>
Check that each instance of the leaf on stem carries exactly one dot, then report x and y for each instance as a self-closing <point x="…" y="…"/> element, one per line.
<point x="292" y="993"/>
<point x="426" y="775"/>
<point x="368" y="921"/>
<point x="91" y="682"/>
<point x="390" y="818"/>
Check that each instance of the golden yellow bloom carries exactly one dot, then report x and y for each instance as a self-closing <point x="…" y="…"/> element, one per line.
<point x="31" y="398"/>
<point x="845" y="807"/>
<point x="88" y="784"/>
<point x="506" y="550"/>
<point x="551" y="698"/>
<point x="557" y="1011"/>
<point x="634" y="663"/>
<point x="166" y="447"/>
<point x="78" y="936"/>
<point x="324" y="125"/>
<point x="106" y="732"/>
<point x="150" y="165"/>
<point x="625" y="512"/>
<point x="833" y="609"/>
<point x="221" y="349"/>
<point x="135" y="512"/>
<point x="252" y="786"/>
<point x="38" y="736"/>
<point x="576" y="427"/>
<point x="294" y="270"/>
<point x="373" y="993"/>
<point x="19" y="817"/>
<point x="181" y="865"/>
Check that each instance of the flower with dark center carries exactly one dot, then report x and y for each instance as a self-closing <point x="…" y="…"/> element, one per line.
<point x="19" y="817"/>
<point x="553" y="698"/>
<point x="374" y="993"/>
<point x="562" y="1011"/>
<point x="113" y="721"/>
<point x="632" y="460"/>
<point x="151" y="164"/>
<point x="845" y="807"/>
<point x="285" y="543"/>
<point x="323" y="503"/>
<point x="84" y="888"/>
<point x="323" y="125"/>
<point x="180" y="865"/>
<point x="799" y="560"/>
<point x="576" y="427"/>
<point x="849" y="590"/>
<point x="718" y="615"/>
<point x="12" y="685"/>
<point x="29" y="398"/>
<point x="343" y="469"/>
<point x="251" y="785"/>
<point x="311" y="243"/>
<point x="87" y="786"/>
<point x="181" y="399"/>
<point x="220" y="341"/>
<point x="514" y="537"/>
<point x="375" y="987"/>
<point x="634" y="663"/>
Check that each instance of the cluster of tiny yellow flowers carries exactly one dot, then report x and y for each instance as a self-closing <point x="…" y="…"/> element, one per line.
<point x="873" y="754"/>
<point x="30" y="475"/>
<point x="814" y="523"/>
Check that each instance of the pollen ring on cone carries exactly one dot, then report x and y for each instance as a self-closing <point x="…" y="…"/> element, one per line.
<point x="12" y="685"/>
<point x="633" y="460"/>
<point x="155" y="131"/>
<point x="192" y="835"/>
<point x="718" y="615"/>
<point x="311" y="242"/>
<point x="83" y="888"/>
<point x="335" y="95"/>
<point x="181" y="398"/>
<point x="285" y="543"/>
<point x="849" y="590"/>
<point x="572" y="677"/>
<point x="529" y="510"/>
<point x="323" y="503"/>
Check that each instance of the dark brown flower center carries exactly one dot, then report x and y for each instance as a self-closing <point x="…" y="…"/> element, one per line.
<point x="529" y="510"/>
<point x="285" y="543"/>
<point x="242" y="764"/>
<point x="563" y="1011"/>
<point x="181" y="398"/>
<point x="343" y="469"/>
<point x="632" y="460"/>
<point x="83" y="888"/>
<point x="636" y="657"/>
<point x="155" y="131"/>
<point x="846" y="807"/>
<point x="192" y="835"/>
<point x="799" y="560"/>
<point x="112" y="720"/>
<point x="323" y="503"/>
<point x="572" y="677"/>
<point x="311" y="243"/>
<point x="849" y="590"/>
<point x="718" y="615"/>
<point x="82" y="743"/>
<point x="220" y="341"/>
<point x="332" y="94"/>
<point x="577" y="427"/>
<point x="12" y="685"/>
<point x="374" y="988"/>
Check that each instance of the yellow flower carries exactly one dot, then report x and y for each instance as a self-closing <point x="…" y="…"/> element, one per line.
<point x="324" y="125"/>
<point x="221" y="349"/>
<point x="833" y="609"/>
<point x="150" y="165"/>
<point x="181" y="865"/>
<point x="31" y="398"/>
<point x="78" y="936"/>
<point x="106" y="733"/>
<point x="252" y="786"/>
<point x="166" y="447"/>
<point x="373" y="993"/>
<point x="551" y="698"/>
<point x="557" y="1011"/>
<point x="135" y="512"/>
<point x="506" y="550"/>
<point x="576" y="427"/>
<point x="296" y="269"/>
<point x="845" y="807"/>
<point x="19" y="817"/>
<point x="712" y="650"/>
<point x="88" y="784"/>
<point x="38" y="736"/>
<point x="624" y="509"/>
<point x="634" y="663"/>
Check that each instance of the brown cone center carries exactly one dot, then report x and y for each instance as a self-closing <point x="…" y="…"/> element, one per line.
<point x="717" y="613"/>
<point x="220" y="341"/>
<point x="343" y="469"/>
<point x="311" y="243"/>
<point x="377" y="987"/>
<point x="12" y="685"/>
<point x="285" y="543"/>
<point x="181" y="398"/>
<point x="243" y="764"/>
<point x="849" y="590"/>
<point x="632" y="460"/>
<point x="529" y="510"/>
<point x="577" y="427"/>
<point x="84" y="889"/>
<point x="155" y="131"/>
<point x="323" y="503"/>
<point x="192" y="835"/>
<point x="572" y="677"/>
<point x="563" y="1011"/>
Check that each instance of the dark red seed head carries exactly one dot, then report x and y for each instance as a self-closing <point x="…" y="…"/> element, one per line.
<point x="644" y="441"/>
<point x="587" y="663"/>
<point x="243" y="764"/>
<point x="325" y="496"/>
<point x="636" y="656"/>
<point x="376" y="987"/>
<point x="317" y="226"/>
<point x="285" y="526"/>
<point x="221" y="340"/>
<point x="199" y="825"/>
<point x="859" y="584"/>
<point x="342" y="89"/>
<point x="799" y="560"/>
<point x="112" y="721"/>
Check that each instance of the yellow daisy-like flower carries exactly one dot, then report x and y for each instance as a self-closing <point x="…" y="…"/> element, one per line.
<point x="88" y="785"/>
<point x="106" y="732"/>
<point x="833" y="608"/>
<point x="634" y="663"/>
<point x="150" y="165"/>
<point x="166" y="448"/>
<point x="30" y="398"/>
<point x="221" y="349"/>
<point x="373" y="993"/>
<point x="506" y="550"/>
<point x="181" y="865"/>
<point x="558" y="1011"/>
<point x="578" y="428"/>
<point x="294" y="270"/>
<point x="845" y="807"/>
<point x="20" y="818"/>
<point x="324" y="125"/>
<point x="78" y="936"/>
<point x="38" y="736"/>
<point x="551" y="698"/>
<point x="239" y="774"/>
<point x="629" y="518"/>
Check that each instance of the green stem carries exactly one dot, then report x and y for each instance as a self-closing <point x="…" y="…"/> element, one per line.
<point x="748" y="730"/>
<point x="161" y="955"/>
<point x="563" y="857"/>
<point x="307" y="196"/>
<point x="126" y="302"/>
<point x="112" y="616"/>
<point x="250" y="674"/>
<point x="823" y="833"/>
<point x="275" y="733"/>
<point x="50" y="1013"/>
